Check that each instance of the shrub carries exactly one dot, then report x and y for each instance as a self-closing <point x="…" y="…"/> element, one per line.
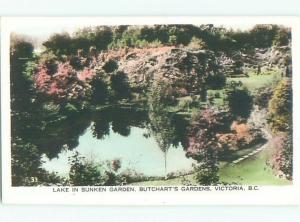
<point x="239" y="100"/>
<point x="207" y="168"/>
<point x="203" y="144"/>
<point x="196" y="43"/>
<point x="85" y="173"/>
<point x="50" y="61"/>
<point x="119" y="84"/>
<point x="282" y="158"/>
<point x="185" y="103"/>
<point x="280" y="107"/>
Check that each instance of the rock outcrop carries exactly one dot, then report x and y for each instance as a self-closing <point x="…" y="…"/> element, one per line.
<point x="175" y="65"/>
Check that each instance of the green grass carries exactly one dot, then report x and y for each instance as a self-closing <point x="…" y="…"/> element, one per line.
<point x="254" y="81"/>
<point x="252" y="171"/>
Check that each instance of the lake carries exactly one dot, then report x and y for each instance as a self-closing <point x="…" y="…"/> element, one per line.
<point x="125" y="135"/>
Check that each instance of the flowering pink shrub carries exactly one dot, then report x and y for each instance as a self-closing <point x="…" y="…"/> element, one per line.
<point x="85" y="75"/>
<point x="203" y="130"/>
<point x="42" y="79"/>
<point x="65" y="82"/>
<point x="282" y="156"/>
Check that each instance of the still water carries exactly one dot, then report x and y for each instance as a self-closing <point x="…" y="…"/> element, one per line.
<point x="138" y="150"/>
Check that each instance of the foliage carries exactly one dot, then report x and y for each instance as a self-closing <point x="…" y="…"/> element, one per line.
<point x="59" y="44"/>
<point x="282" y="158"/>
<point x="20" y="48"/>
<point x="65" y="84"/>
<point x="242" y="135"/>
<point x="196" y="43"/>
<point x="99" y="91"/>
<point x="85" y="173"/>
<point x="88" y="173"/>
<point x="63" y="44"/>
<point x="280" y="121"/>
<point x="262" y="96"/>
<point x="238" y="99"/>
<point x="160" y="120"/>
<point x="196" y="37"/>
<point x="203" y="144"/>
<point x="26" y="163"/>
<point x="280" y="106"/>
<point x="27" y="166"/>
<point x="50" y="61"/>
<point x="119" y="85"/>
<point x="216" y="81"/>
<point x="282" y="37"/>
<point x="262" y="36"/>
<point x="207" y="168"/>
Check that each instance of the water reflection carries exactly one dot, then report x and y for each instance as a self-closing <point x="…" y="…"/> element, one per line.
<point x="142" y="144"/>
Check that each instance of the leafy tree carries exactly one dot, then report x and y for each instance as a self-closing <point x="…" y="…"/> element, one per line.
<point x="282" y="38"/>
<point x="23" y="97"/>
<point x="99" y="91"/>
<point x="262" y="36"/>
<point x="81" y="42"/>
<point x="280" y="107"/>
<point x="59" y="44"/>
<point x="202" y="143"/>
<point x="27" y="166"/>
<point x="26" y="163"/>
<point x="280" y="120"/>
<point x="119" y="85"/>
<point x="239" y="100"/>
<point x="103" y="37"/>
<point x="207" y="168"/>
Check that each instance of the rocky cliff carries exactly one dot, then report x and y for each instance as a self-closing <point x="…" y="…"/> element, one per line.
<point x="178" y="66"/>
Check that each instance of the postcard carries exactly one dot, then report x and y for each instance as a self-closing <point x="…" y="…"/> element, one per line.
<point x="150" y="110"/>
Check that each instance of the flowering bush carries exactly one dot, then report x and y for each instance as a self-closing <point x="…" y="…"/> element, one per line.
<point x="65" y="83"/>
<point x="203" y="144"/>
<point x="282" y="157"/>
<point x="86" y="75"/>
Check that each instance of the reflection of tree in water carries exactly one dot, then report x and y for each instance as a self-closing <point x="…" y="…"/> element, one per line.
<point x="180" y="135"/>
<point x="100" y="128"/>
<point x="120" y="120"/>
<point x="162" y="124"/>
<point x="121" y="127"/>
<point x="163" y="131"/>
<point x="62" y="134"/>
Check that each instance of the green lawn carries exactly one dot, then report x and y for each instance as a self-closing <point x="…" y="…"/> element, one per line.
<point x="254" y="81"/>
<point x="252" y="171"/>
